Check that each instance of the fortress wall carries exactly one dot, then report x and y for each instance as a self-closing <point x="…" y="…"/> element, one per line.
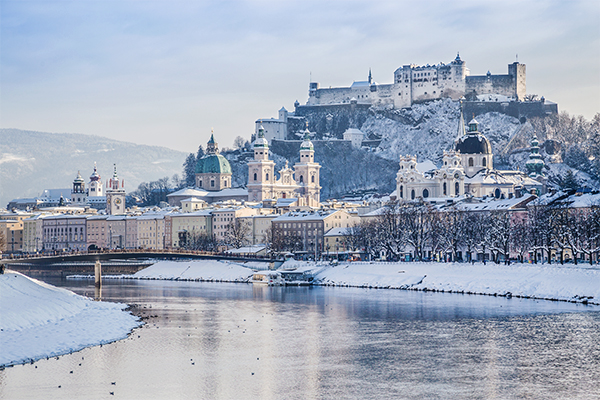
<point x="515" y="109"/>
<point x="486" y="84"/>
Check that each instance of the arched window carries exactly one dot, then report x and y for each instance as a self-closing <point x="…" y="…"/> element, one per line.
<point x="255" y="176"/>
<point x="445" y="189"/>
<point x="470" y="161"/>
<point x="456" y="189"/>
<point x="267" y="176"/>
<point x="412" y="194"/>
<point x="401" y="191"/>
<point x="301" y="178"/>
<point x="484" y="162"/>
<point x="312" y="179"/>
<point x="425" y="193"/>
<point x="497" y="193"/>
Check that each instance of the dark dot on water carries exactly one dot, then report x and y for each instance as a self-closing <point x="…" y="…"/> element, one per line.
<point x="71" y="372"/>
<point x="253" y="373"/>
<point x="36" y="365"/>
<point x="59" y="386"/>
<point x="113" y="383"/>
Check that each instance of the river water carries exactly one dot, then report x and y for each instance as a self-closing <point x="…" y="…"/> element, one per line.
<point x="238" y="341"/>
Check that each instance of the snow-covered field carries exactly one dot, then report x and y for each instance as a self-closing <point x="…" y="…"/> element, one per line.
<point x="39" y="320"/>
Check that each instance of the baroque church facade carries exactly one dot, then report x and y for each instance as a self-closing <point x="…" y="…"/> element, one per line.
<point x="301" y="182"/>
<point x="468" y="170"/>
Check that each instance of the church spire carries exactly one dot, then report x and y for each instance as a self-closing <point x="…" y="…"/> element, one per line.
<point x="461" y="122"/>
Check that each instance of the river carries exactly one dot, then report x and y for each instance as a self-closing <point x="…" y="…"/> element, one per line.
<point x="238" y="341"/>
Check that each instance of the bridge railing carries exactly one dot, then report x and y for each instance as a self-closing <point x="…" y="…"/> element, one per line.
<point x="179" y="252"/>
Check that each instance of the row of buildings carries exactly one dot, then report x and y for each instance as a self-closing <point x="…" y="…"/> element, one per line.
<point x="169" y="228"/>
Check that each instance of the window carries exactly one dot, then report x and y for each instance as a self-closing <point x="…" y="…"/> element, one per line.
<point x="470" y="161"/>
<point x="301" y="179"/>
<point x="484" y="162"/>
<point x="425" y="193"/>
<point x="267" y="176"/>
<point x="401" y="191"/>
<point x="255" y="176"/>
<point x="412" y="194"/>
<point x="212" y="183"/>
<point x="445" y="189"/>
<point x="312" y="179"/>
<point x="456" y="189"/>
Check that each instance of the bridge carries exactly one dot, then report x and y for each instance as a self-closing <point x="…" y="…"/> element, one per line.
<point x="113" y="261"/>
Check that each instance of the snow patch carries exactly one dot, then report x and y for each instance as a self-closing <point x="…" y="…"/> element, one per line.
<point x="40" y="320"/>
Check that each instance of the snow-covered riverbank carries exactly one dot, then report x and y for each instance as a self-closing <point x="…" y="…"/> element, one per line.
<point x="551" y="282"/>
<point x="542" y="281"/>
<point x="38" y="320"/>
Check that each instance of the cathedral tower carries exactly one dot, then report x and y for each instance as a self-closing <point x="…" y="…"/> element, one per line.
<point x="261" y="170"/>
<point x="306" y="172"/>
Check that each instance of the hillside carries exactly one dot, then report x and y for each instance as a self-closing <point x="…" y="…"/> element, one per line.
<point x="33" y="161"/>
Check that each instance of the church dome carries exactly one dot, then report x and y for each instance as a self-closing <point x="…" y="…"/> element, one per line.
<point x="78" y="179"/>
<point x="95" y="176"/>
<point x="213" y="163"/>
<point x="473" y="142"/>
<point x="260" y="140"/>
<point x="306" y="143"/>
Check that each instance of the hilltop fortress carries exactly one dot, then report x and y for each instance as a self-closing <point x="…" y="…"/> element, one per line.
<point x="414" y="83"/>
<point x="332" y="111"/>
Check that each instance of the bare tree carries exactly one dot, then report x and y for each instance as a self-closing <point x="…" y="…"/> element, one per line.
<point x="238" y="142"/>
<point x="237" y="234"/>
<point x="500" y="235"/>
<point x="452" y="224"/>
<point x="2" y="241"/>
<point x="521" y="239"/>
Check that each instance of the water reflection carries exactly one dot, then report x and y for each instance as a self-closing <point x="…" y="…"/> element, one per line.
<point x="231" y="341"/>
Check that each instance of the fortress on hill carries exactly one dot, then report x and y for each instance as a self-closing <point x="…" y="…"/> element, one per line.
<point x="414" y="84"/>
<point x="335" y="111"/>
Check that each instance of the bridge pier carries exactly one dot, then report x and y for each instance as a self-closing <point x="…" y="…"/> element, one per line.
<point x="98" y="274"/>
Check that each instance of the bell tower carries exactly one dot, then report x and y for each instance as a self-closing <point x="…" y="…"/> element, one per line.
<point x="306" y="172"/>
<point x="115" y="195"/>
<point x="261" y="170"/>
<point x="78" y="193"/>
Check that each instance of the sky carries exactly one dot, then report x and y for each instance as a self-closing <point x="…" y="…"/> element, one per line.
<point x="167" y="72"/>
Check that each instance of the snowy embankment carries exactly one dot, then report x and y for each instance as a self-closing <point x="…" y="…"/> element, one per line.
<point x="38" y="320"/>
<point x="205" y="270"/>
<point x="550" y="282"/>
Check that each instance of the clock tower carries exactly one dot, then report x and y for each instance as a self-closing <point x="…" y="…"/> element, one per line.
<point x="115" y="195"/>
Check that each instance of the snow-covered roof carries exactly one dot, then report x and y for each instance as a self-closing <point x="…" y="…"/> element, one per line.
<point x="248" y="249"/>
<point x="189" y="192"/>
<point x="493" y="204"/>
<point x="338" y="232"/>
<point x="305" y="215"/>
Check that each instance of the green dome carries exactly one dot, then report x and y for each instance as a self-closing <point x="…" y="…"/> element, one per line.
<point x="213" y="163"/>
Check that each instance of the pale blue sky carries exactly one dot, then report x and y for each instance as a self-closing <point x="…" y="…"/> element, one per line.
<point x="165" y="72"/>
